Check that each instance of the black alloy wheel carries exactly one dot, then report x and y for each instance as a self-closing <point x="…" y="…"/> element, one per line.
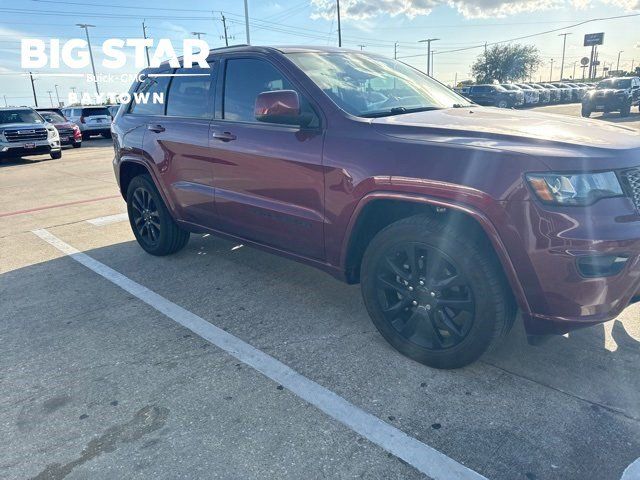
<point x="425" y="295"/>
<point x="145" y="216"/>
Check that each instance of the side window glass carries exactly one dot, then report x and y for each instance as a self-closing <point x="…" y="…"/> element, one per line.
<point x="145" y="105"/>
<point x="245" y="79"/>
<point x="191" y="95"/>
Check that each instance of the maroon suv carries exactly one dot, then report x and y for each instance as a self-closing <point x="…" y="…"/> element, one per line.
<point x="450" y="215"/>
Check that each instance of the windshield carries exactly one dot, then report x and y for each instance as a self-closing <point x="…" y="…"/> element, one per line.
<point x="614" y="83"/>
<point x="53" y="117"/>
<point x="369" y="86"/>
<point x="19" y="116"/>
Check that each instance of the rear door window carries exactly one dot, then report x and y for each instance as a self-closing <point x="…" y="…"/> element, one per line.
<point x="96" y="111"/>
<point x="190" y="93"/>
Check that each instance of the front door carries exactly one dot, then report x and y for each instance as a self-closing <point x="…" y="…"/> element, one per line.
<point x="269" y="178"/>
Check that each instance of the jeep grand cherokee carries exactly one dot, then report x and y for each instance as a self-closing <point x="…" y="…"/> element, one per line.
<point x="450" y="215"/>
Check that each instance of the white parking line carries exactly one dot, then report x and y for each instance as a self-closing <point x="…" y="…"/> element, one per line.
<point x="109" y="219"/>
<point x="424" y="458"/>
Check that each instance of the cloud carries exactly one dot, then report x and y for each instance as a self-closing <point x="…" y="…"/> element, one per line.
<point x="364" y="9"/>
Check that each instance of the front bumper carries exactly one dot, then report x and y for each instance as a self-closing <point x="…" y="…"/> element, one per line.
<point x="39" y="147"/>
<point x="605" y="103"/>
<point x="556" y="241"/>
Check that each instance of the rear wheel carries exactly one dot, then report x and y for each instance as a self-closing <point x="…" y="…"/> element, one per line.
<point x="77" y="145"/>
<point x="625" y="110"/>
<point x="56" y="155"/>
<point x="434" y="294"/>
<point x="152" y="224"/>
<point x="106" y="134"/>
<point x="85" y="136"/>
<point x="502" y="104"/>
<point x="586" y="112"/>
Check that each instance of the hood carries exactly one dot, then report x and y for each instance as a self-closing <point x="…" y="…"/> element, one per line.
<point x="514" y="130"/>
<point x="22" y="126"/>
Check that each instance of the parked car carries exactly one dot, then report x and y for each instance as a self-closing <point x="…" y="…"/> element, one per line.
<point x="68" y="131"/>
<point x="495" y="95"/>
<point x="613" y="95"/>
<point x="566" y="95"/>
<point x="545" y="93"/>
<point x="91" y="120"/>
<point x="579" y="91"/>
<point x="531" y="95"/>
<point x="554" y="92"/>
<point x="53" y="109"/>
<point x="24" y="132"/>
<point x="448" y="214"/>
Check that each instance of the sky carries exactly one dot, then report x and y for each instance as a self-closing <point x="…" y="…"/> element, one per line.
<point x="462" y="27"/>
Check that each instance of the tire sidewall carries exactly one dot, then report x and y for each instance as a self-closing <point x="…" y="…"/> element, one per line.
<point x="483" y="329"/>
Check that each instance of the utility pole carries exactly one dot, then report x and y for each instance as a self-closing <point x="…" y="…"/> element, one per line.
<point x="574" y="71"/>
<point x="50" y="97"/>
<point x="633" y="61"/>
<point x="57" y="95"/>
<point x="564" y="46"/>
<point x="33" y="87"/>
<point x="197" y="34"/>
<point x="5" y="101"/>
<point x="246" y="20"/>
<point x="551" y="71"/>
<point x="146" y="48"/>
<point x="226" y="36"/>
<point x="618" y="64"/>
<point x="361" y="47"/>
<point x="86" y="27"/>
<point x="486" y="64"/>
<point x="395" y="50"/>
<point x="428" y="42"/>
<point x="455" y="80"/>
<point x="433" y="68"/>
<point x="339" y="27"/>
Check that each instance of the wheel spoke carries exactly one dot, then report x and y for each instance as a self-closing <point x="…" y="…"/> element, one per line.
<point x="458" y="304"/>
<point x="452" y="281"/>
<point x="449" y="324"/>
<point x="393" y="285"/>
<point x="397" y="307"/>
<point x="411" y="325"/>
<point x="152" y="232"/>
<point x="431" y="332"/>
<point x="396" y="270"/>
<point x="412" y="260"/>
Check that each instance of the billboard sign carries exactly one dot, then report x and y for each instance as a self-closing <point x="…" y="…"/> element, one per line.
<point x="591" y="39"/>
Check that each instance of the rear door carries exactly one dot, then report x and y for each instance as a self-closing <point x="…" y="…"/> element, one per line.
<point x="96" y="117"/>
<point x="177" y="141"/>
<point x="269" y="177"/>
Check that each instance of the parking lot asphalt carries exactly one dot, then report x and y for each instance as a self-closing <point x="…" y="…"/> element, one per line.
<point x="97" y="383"/>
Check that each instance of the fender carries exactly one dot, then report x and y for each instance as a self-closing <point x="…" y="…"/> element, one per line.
<point x="165" y="198"/>
<point x="481" y="218"/>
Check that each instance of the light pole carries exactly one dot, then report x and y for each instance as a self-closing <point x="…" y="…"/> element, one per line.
<point x="395" y="50"/>
<point x="246" y="20"/>
<point x="197" y="34"/>
<point x="33" y="88"/>
<point x="361" y="47"/>
<point x="57" y="94"/>
<point x="564" y="45"/>
<point x="428" y="42"/>
<point x="86" y="27"/>
<point x="618" y="64"/>
<point x="50" y="97"/>
<point x="339" y="27"/>
<point x="574" y="71"/>
<point x="5" y="101"/>
<point x="551" y="71"/>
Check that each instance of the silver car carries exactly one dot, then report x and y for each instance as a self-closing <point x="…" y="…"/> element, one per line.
<point x="91" y="120"/>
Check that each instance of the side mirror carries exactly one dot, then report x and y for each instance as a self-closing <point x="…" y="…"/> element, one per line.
<point x="278" y="106"/>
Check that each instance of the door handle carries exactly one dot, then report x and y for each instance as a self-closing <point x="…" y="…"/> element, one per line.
<point x="224" y="136"/>
<point x="156" y="128"/>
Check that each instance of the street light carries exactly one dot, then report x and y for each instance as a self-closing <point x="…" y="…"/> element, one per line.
<point x="86" y="27"/>
<point x="428" y="42"/>
<point x="618" y="64"/>
<point x="57" y="94"/>
<point x="564" y="45"/>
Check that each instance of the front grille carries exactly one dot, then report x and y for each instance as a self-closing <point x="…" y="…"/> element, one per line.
<point x="631" y="181"/>
<point x="65" y="132"/>
<point x="26" y="135"/>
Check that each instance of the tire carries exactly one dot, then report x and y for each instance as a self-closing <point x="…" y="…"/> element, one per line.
<point x="107" y="135"/>
<point x="625" y="110"/>
<point x="586" y="113"/>
<point x="154" y="229"/>
<point x="502" y="104"/>
<point x="424" y="324"/>
<point x="85" y="136"/>
<point x="77" y="145"/>
<point x="56" y="155"/>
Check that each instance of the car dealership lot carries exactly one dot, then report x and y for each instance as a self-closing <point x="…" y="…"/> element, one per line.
<point x="99" y="384"/>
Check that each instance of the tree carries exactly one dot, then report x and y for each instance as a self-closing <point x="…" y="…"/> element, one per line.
<point x="506" y="63"/>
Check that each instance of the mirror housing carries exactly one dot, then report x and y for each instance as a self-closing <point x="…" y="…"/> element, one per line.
<point x="278" y="106"/>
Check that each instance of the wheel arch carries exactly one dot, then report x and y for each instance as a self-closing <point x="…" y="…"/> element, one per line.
<point x="377" y="210"/>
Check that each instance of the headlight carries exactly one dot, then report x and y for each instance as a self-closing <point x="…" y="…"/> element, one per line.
<point x="52" y="132"/>
<point x="2" y="137"/>
<point x="574" y="189"/>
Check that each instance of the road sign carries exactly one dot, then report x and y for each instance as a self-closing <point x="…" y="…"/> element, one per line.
<point x="596" y="62"/>
<point x="591" y="39"/>
<point x="584" y="61"/>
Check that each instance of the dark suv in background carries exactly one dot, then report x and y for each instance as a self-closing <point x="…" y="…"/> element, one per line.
<point x="450" y="215"/>
<point x="496" y="96"/>
<point x="613" y="95"/>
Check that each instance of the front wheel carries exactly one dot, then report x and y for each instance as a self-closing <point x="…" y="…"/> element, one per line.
<point x="435" y="295"/>
<point x="154" y="229"/>
<point x="625" y="111"/>
<point x="502" y="104"/>
<point x="56" y="155"/>
<point x="586" y="113"/>
<point x="77" y="145"/>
